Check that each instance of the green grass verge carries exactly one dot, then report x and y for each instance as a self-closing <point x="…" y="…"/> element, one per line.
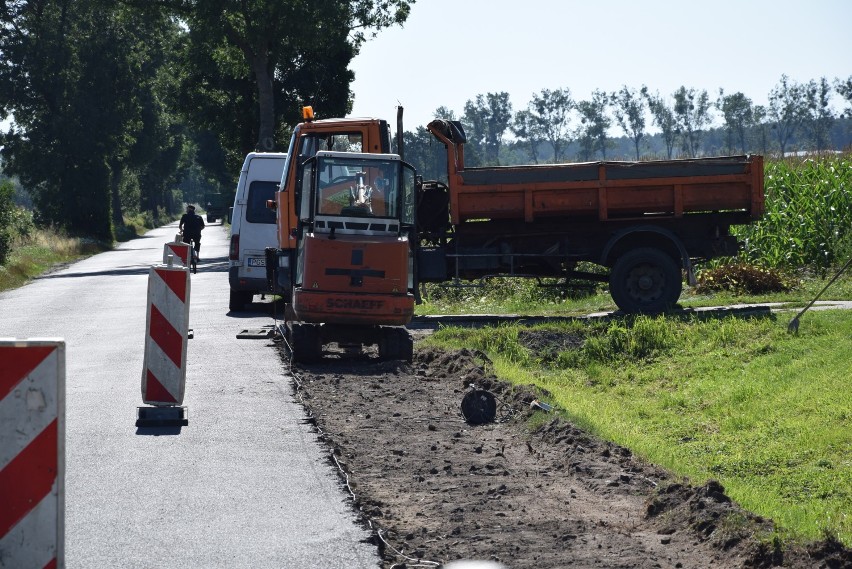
<point x="42" y="251"/>
<point x="46" y="248"/>
<point x="523" y="296"/>
<point x="740" y="400"/>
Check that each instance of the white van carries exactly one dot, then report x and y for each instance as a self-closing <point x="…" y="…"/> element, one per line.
<point x="253" y="226"/>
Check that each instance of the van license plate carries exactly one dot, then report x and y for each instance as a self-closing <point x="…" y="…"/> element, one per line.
<point x="257" y="262"/>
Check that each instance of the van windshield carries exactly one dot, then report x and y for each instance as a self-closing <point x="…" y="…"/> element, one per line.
<point x="256" y="210"/>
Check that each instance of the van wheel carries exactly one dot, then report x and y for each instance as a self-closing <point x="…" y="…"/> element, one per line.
<point x="239" y="299"/>
<point x="645" y="280"/>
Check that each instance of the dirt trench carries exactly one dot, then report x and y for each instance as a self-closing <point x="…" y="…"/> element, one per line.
<point x="434" y="488"/>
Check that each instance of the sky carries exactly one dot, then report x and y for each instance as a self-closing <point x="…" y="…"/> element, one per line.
<point x="449" y="51"/>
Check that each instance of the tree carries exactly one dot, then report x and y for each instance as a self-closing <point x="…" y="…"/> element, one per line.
<point x="664" y="118"/>
<point x="486" y="120"/>
<point x="844" y="89"/>
<point x="787" y="109"/>
<point x="760" y="128"/>
<point x="148" y="166"/>
<point x="738" y="112"/>
<point x="427" y="157"/>
<point x="81" y="102"/>
<point x="527" y="130"/>
<point x="549" y="113"/>
<point x="68" y="90"/>
<point x="289" y="52"/>
<point x="692" y="112"/>
<point x="594" y="124"/>
<point x="818" y="114"/>
<point x="629" y="111"/>
<point x="424" y="152"/>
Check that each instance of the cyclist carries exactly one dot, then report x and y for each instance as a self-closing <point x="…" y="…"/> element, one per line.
<point x="190" y="226"/>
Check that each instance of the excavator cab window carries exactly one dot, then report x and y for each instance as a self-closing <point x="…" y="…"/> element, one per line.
<point x="348" y="187"/>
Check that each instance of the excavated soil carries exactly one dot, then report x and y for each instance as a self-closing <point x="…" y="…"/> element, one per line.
<point x="435" y="488"/>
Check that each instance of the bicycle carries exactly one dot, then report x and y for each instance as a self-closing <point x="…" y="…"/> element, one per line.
<point x="193" y="255"/>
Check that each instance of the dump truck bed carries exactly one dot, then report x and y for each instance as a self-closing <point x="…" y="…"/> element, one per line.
<point x="610" y="190"/>
<point x="599" y="190"/>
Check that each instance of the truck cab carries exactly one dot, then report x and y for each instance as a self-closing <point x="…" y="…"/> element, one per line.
<point x="358" y="135"/>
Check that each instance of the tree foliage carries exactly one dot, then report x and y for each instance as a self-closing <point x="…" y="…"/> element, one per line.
<point x="252" y="64"/>
<point x="527" y="130"/>
<point x="58" y="146"/>
<point x="738" y="114"/>
<point x="818" y="114"/>
<point x="844" y="89"/>
<point x="81" y="103"/>
<point x="760" y="130"/>
<point x="486" y="120"/>
<point x="692" y="114"/>
<point x="787" y="103"/>
<point x="629" y="111"/>
<point x="594" y="124"/>
<point x="549" y="116"/>
<point x="7" y="206"/>
<point x="664" y="118"/>
<point x="113" y="101"/>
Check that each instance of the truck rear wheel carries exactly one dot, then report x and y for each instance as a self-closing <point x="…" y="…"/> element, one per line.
<point x="646" y="281"/>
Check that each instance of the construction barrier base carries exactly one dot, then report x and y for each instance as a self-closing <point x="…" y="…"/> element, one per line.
<point x="162" y="417"/>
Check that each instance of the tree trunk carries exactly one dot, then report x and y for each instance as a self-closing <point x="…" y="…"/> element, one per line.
<point x="115" y="183"/>
<point x="266" y="101"/>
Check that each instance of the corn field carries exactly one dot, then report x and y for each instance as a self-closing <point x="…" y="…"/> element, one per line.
<point x="808" y="219"/>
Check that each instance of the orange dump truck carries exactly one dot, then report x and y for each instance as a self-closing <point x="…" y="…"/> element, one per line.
<point x="644" y="221"/>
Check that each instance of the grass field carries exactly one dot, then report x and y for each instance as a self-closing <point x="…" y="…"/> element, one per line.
<point x="740" y="400"/>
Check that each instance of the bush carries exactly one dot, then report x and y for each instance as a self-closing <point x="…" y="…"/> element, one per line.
<point x="22" y="223"/>
<point x="124" y="233"/>
<point x="743" y="278"/>
<point x="7" y="209"/>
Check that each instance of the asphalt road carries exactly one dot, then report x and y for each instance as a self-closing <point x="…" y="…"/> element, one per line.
<point x="245" y="484"/>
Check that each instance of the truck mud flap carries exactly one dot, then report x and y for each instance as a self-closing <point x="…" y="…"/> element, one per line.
<point x="431" y="265"/>
<point x="277" y="270"/>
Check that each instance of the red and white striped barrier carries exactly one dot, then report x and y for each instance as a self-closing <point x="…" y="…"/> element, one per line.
<point x="164" y="369"/>
<point x="32" y="453"/>
<point x="178" y="250"/>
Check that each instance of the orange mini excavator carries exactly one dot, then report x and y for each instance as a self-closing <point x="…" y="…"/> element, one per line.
<point x="352" y="280"/>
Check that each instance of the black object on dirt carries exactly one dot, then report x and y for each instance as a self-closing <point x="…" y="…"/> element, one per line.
<point x="479" y="407"/>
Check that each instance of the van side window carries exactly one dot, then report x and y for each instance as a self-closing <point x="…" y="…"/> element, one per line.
<point x="256" y="210"/>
